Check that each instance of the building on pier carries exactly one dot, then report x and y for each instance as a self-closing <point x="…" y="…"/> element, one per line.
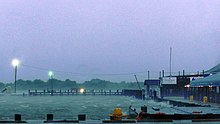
<point x="174" y="85"/>
<point x="207" y="87"/>
<point x="152" y="88"/>
<point x="170" y="85"/>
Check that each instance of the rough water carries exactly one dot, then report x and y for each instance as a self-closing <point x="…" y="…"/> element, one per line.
<point x="68" y="107"/>
<point x="63" y="107"/>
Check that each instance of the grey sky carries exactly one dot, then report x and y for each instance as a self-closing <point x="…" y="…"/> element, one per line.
<point x="107" y="37"/>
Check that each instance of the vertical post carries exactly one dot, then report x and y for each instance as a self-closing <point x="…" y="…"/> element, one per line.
<point x="148" y="75"/>
<point x="16" y="68"/>
<point x="51" y="85"/>
<point x="15" y="64"/>
<point x="51" y="81"/>
<point x="162" y="73"/>
<point x="17" y="117"/>
<point x="49" y="117"/>
<point x="183" y="72"/>
<point x="170" y="59"/>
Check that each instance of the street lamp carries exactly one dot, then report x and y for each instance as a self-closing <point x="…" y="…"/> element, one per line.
<point x="50" y="73"/>
<point x="15" y="64"/>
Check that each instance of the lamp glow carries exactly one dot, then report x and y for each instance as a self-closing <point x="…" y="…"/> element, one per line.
<point x="50" y="73"/>
<point x="82" y="90"/>
<point x="187" y="85"/>
<point x="15" y="62"/>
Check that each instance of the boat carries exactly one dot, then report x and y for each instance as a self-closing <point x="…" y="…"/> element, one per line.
<point x="156" y="109"/>
<point x="196" y="116"/>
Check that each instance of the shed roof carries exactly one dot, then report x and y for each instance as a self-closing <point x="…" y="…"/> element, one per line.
<point x="215" y="69"/>
<point x="212" y="80"/>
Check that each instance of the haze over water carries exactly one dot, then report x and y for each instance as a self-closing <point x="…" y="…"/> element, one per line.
<point x="110" y="40"/>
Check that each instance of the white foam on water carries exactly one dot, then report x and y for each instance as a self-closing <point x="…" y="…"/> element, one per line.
<point x="25" y="106"/>
<point x="68" y="107"/>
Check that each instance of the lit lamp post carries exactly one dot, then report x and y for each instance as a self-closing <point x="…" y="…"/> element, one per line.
<point x="15" y="64"/>
<point x="50" y="73"/>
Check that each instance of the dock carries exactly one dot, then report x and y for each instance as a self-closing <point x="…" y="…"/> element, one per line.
<point x="181" y="102"/>
<point x="124" y="92"/>
<point x="75" y="93"/>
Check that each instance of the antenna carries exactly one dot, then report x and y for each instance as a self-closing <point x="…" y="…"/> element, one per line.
<point x="170" y="59"/>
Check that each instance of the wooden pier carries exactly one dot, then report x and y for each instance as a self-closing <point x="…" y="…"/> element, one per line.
<point x="75" y="93"/>
<point x="124" y="92"/>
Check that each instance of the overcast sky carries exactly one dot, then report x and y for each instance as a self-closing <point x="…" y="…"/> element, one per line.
<point x="107" y="39"/>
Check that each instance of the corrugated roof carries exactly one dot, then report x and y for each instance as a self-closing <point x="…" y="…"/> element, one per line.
<point x="215" y="69"/>
<point x="212" y="80"/>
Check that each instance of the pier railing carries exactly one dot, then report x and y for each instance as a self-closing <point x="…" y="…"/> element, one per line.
<point x="71" y="92"/>
<point x="125" y="92"/>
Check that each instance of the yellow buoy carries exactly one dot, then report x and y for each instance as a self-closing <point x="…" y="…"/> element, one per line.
<point x="205" y="99"/>
<point x="191" y="98"/>
<point x="117" y="115"/>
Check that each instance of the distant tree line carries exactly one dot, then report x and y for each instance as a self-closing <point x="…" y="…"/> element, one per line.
<point x="96" y="84"/>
